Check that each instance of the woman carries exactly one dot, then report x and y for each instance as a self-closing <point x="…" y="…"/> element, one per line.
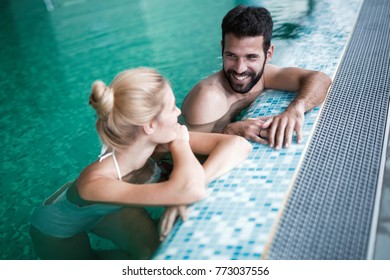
<point x="137" y="119"/>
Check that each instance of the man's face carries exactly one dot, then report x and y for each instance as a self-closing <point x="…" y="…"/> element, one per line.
<point x="243" y="62"/>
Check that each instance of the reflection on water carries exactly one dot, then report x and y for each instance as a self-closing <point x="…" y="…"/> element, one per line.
<point x="49" y="5"/>
<point x="288" y="16"/>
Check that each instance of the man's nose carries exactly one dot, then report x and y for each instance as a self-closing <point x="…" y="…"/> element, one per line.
<point x="240" y="66"/>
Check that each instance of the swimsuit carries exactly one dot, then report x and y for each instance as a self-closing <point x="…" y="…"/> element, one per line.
<point x="62" y="218"/>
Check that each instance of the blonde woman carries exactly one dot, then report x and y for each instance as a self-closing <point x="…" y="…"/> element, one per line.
<point x="137" y="118"/>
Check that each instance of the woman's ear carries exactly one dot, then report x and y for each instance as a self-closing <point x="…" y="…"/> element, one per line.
<point x="148" y="128"/>
<point x="270" y="53"/>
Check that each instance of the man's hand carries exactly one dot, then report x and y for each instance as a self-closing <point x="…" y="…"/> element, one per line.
<point x="169" y="218"/>
<point x="251" y="129"/>
<point x="282" y="126"/>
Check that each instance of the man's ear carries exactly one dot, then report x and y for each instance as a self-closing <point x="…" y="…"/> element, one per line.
<point x="270" y="53"/>
<point x="148" y="128"/>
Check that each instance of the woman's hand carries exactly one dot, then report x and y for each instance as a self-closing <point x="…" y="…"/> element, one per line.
<point x="168" y="219"/>
<point x="182" y="134"/>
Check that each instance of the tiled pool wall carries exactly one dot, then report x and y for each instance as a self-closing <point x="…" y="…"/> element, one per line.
<point x="237" y="218"/>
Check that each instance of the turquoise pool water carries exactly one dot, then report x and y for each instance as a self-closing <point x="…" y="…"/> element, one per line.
<point x="48" y="62"/>
<point x="49" y="58"/>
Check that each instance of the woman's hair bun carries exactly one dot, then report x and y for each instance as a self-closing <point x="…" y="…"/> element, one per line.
<point x="101" y="98"/>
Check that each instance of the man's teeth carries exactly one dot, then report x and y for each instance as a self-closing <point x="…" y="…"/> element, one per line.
<point x="239" y="77"/>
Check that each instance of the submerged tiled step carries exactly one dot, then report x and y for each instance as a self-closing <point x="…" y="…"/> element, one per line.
<point x="330" y="208"/>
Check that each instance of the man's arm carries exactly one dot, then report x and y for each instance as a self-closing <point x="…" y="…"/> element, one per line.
<point x="208" y="127"/>
<point x="311" y="88"/>
<point x="203" y="107"/>
<point x="250" y="129"/>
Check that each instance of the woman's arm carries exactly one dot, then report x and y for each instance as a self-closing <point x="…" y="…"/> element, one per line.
<point x="224" y="151"/>
<point x="186" y="183"/>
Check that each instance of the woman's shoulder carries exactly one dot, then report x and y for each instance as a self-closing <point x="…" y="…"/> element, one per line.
<point x="95" y="170"/>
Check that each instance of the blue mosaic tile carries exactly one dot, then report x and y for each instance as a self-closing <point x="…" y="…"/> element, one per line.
<point x="236" y="219"/>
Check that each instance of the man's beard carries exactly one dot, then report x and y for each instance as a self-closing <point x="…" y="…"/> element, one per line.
<point x="243" y="88"/>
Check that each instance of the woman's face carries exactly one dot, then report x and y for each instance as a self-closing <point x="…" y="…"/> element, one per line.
<point x="167" y="119"/>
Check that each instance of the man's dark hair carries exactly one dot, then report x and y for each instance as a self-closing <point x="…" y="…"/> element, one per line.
<point x="245" y="21"/>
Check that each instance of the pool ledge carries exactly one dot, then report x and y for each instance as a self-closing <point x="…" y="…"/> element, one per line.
<point x="332" y="209"/>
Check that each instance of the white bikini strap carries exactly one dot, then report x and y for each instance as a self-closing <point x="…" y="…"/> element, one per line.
<point x="101" y="157"/>
<point x="118" y="171"/>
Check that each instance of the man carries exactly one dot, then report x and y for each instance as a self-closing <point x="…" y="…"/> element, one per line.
<point x="214" y="103"/>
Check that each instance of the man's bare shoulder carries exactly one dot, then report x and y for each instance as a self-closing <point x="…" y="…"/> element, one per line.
<point x="208" y="89"/>
<point x="206" y="102"/>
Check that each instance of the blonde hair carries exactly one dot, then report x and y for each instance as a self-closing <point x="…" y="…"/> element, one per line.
<point x="133" y="99"/>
